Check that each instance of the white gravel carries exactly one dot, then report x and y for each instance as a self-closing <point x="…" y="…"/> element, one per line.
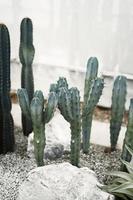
<point x="15" y="166"/>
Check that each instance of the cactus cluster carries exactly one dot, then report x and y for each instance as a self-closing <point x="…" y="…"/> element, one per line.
<point x="69" y="106"/>
<point x="39" y="114"/>
<point x="117" y="109"/>
<point x="128" y="140"/>
<point x="92" y="92"/>
<point x="26" y="55"/>
<point x="7" y="141"/>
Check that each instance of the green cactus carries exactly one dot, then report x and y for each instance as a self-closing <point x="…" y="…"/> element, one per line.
<point x="117" y="109"/>
<point x="39" y="115"/>
<point x="26" y="55"/>
<point x="7" y="140"/>
<point x="62" y="82"/>
<point x="69" y="105"/>
<point x="128" y="140"/>
<point x="91" y="74"/>
<point x="88" y="109"/>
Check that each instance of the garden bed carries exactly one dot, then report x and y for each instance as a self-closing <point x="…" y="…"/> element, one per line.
<point x="15" y="166"/>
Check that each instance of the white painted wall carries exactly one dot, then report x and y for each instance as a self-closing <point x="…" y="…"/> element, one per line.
<point x="67" y="32"/>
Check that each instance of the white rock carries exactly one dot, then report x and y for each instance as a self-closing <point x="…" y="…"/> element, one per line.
<point x="61" y="182"/>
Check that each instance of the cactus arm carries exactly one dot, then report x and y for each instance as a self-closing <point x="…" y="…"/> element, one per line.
<point x="128" y="141"/>
<point x="36" y="108"/>
<point x="39" y="94"/>
<point x="64" y="104"/>
<point x="88" y="110"/>
<point x="117" y="109"/>
<point x="91" y="74"/>
<point x="51" y="106"/>
<point x="24" y="102"/>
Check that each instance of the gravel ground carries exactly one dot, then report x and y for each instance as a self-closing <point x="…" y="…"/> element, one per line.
<point x="15" y="166"/>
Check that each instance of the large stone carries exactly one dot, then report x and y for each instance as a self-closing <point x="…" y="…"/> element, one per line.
<point x="61" y="182"/>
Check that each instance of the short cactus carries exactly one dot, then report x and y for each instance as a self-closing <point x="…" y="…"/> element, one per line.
<point x="26" y="54"/>
<point x="88" y="109"/>
<point x="7" y="140"/>
<point x="117" y="109"/>
<point x="39" y="115"/>
<point x="69" y="105"/>
<point x="128" y="141"/>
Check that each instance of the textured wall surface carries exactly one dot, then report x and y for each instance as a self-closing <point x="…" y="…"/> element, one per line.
<point x="67" y="32"/>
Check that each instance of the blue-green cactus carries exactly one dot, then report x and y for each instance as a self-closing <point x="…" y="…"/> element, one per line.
<point x="7" y="141"/>
<point x="128" y="140"/>
<point x="69" y="105"/>
<point x="117" y="109"/>
<point x="39" y="115"/>
<point x="26" y="54"/>
<point x="62" y="82"/>
<point x="88" y="109"/>
<point x="91" y="74"/>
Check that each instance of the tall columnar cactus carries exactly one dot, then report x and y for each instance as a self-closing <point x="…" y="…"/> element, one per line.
<point x="26" y="55"/>
<point x="88" y="109"/>
<point x="117" y="109"/>
<point x="39" y="115"/>
<point x="7" y="141"/>
<point x="69" y="105"/>
<point x="128" y="140"/>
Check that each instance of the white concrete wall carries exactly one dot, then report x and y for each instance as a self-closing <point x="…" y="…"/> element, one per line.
<point x="67" y="32"/>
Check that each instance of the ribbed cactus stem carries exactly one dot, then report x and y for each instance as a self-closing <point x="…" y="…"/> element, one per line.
<point x="36" y="108"/>
<point x="128" y="140"/>
<point x="117" y="109"/>
<point x="75" y="126"/>
<point x="88" y="109"/>
<point x="7" y="141"/>
<point x="62" y="82"/>
<point x="91" y="74"/>
<point x="39" y="115"/>
<point x="53" y="87"/>
<point x="69" y="105"/>
<point x="26" y="54"/>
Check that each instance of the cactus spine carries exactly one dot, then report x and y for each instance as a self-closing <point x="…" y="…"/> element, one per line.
<point x="128" y="141"/>
<point x="39" y="115"/>
<point x="92" y="92"/>
<point x="26" y="55"/>
<point x="7" y="141"/>
<point x="69" y="105"/>
<point x="88" y="110"/>
<point x="117" y="109"/>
